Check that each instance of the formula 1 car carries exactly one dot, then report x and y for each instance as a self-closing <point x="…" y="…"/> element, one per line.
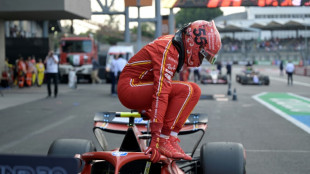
<point x="213" y="77"/>
<point x="251" y="77"/>
<point x="129" y="158"/>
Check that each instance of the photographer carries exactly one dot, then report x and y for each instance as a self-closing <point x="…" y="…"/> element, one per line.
<point x="51" y="72"/>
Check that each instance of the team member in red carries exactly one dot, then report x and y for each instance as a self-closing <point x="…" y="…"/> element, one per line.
<point x="146" y="83"/>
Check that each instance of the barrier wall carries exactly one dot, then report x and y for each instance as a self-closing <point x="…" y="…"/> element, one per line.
<point x="304" y="71"/>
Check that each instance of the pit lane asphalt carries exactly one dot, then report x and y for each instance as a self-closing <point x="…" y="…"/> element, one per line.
<point x="29" y="122"/>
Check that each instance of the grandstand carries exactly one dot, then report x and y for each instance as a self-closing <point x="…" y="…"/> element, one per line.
<point x="266" y="35"/>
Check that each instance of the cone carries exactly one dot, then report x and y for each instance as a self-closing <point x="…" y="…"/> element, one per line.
<point x="234" y="97"/>
<point x="229" y="90"/>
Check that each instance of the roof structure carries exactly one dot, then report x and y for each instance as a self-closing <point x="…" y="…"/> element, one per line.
<point x="44" y="9"/>
<point x="240" y="22"/>
<point x="292" y="24"/>
<point x="231" y="28"/>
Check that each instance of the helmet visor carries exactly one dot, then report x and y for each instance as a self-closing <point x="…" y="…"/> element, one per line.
<point x="204" y="54"/>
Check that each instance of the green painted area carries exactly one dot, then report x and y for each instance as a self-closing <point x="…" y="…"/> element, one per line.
<point x="289" y="104"/>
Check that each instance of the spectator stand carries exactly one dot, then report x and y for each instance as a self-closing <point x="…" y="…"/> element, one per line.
<point x="241" y="40"/>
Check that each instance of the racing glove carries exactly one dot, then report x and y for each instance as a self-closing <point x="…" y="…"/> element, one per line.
<point x="146" y="113"/>
<point x="153" y="147"/>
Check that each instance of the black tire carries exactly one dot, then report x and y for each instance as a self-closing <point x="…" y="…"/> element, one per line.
<point x="237" y="78"/>
<point x="243" y="80"/>
<point x="89" y="79"/>
<point x="266" y="80"/>
<point x="224" y="78"/>
<point x="222" y="158"/>
<point x="70" y="147"/>
<point x="203" y="80"/>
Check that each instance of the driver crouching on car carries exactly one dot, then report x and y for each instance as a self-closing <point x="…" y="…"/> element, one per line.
<point x="146" y="84"/>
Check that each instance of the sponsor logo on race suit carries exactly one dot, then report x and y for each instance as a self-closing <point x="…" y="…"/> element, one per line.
<point x="173" y="60"/>
<point x="170" y="67"/>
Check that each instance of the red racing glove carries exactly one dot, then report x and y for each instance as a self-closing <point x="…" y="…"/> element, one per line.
<point x="146" y="113"/>
<point x="153" y="148"/>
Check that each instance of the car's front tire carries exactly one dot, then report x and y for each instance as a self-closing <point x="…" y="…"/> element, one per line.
<point x="70" y="147"/>
<point x="266" y="80"/>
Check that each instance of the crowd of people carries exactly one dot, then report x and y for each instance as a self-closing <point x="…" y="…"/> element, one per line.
<point x="24" y="72"/>
<point x="17" y="32"/>
<point x="274" y="44"/>
<point x="32" y="71"/>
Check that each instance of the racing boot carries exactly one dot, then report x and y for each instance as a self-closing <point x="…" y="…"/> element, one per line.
<point x="165" y="148"/>
<point x="174" y="141"/>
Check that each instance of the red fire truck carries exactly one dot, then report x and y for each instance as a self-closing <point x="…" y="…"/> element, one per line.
<point x="77" y="53"/>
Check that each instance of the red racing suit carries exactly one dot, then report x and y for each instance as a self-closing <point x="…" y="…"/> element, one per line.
<point x="146" y="84"/>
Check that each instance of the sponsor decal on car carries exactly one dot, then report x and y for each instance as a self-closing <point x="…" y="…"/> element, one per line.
<point x="126" y="120"/>
<point x="119" y="153"/>
<point x="26" y="164"/>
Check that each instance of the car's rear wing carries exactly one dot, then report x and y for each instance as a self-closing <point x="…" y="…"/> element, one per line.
<point x="117" y="122"/>
<point x="125" y="122"/>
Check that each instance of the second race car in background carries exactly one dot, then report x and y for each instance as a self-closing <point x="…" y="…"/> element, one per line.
<point x="213" y="77"/>
<point x="251" y="77"/>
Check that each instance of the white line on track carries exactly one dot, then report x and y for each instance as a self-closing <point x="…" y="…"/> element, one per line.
<point x="44" y="129"/>
<point x="278" y="151"/>
<point x="294" y="82"/>
<point x="298" y="96"/>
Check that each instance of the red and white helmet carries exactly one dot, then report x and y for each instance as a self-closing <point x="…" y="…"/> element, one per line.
<point x="202" y="40"/>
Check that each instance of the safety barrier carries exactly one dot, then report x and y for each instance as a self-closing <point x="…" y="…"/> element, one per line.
<point x="302" y="70"/>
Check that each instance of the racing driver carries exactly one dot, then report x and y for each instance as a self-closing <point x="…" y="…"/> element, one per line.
<point x="146" y="84"/>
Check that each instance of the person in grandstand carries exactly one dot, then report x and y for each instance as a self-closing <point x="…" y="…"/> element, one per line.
<point x="146" y="84"/>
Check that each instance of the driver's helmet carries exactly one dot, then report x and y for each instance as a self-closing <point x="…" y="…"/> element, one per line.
<point x="202" y="40"/>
